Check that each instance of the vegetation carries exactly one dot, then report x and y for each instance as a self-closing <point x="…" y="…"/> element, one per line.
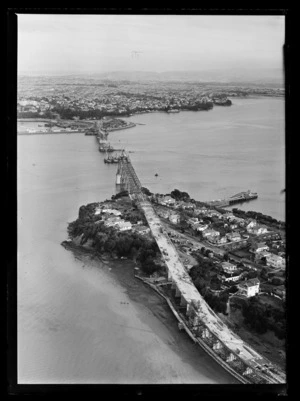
<point x="104" y="239"/>
<point x="180" y="196"/>
<point x="262" y="317"/>
<point x="261" y="218"/>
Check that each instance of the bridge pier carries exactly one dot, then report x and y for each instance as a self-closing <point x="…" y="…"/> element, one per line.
<point x="217" y="345"/>
<point x="177" y="292"/>
<point x="206" y="333"/>
<point x="183" y="302"/>
<point x="231" y="357"/>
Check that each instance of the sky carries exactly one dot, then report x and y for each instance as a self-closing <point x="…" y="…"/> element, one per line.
<point x="103" y="43"/>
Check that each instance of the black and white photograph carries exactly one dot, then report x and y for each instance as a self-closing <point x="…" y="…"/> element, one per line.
<point x="151" y="199"/>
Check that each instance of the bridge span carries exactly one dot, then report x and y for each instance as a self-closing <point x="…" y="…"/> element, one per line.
<point x="213" y="334"/>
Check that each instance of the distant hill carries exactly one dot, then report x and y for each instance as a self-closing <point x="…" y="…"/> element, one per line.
<point x="236" y="75"/>
<point x="268" y="77"/>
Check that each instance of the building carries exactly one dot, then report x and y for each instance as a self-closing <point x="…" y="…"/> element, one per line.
<point x="141" y="229"/>
<point x="228" y="267"/>
<point x="192" y="221"/>
<point x="112" y="211"/>
<point x="251" y="225"/>
<point x="200" y="227"/>
<point x="258" y="230"/>
<point x="259" y="247"/>
<point x="228" y="277"/>
<point x="210" y="233"/>
<point x="112" y="221"/>
<point x="167" y="200"/>
<point x="249" y="288"/>
<point x="233" y="237"/>
<point x="174" y="218"/>
<point x="261" y="254"/>
<point x="280" y="291"/>
<point x="222" y="240"/>
<point x="124" y="225"/>
<point x="275" y="261"/>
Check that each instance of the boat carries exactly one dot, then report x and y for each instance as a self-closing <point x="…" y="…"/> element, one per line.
<point x="156" y="175"/>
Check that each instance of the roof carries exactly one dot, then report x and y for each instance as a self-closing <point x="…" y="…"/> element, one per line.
<point x="250" y="283"/>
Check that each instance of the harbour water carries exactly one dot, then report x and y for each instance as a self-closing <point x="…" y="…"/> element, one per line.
<point x="72" y="323"/>
<point x="214" y="154"/>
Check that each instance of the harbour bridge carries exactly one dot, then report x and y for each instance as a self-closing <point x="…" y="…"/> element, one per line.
<point x="201" y="322"/>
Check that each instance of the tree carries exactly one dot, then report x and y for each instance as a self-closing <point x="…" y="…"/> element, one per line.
<point x="226" y="257"/>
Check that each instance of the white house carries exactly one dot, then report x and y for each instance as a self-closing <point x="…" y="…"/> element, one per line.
<point x="275" y="261"/>
<point x="167" y="200"/>
<point x="233" y="237"/>
<point x="227" y="277"/>
<point x="210" y="233"/>
<point x="228" y="267"/>
<point x="112" y="211"/>
<point x="249" y="288"/>
<point x="258" y="230"/>
<point x="201" y="227"/>
<point x="174" y="218"/>
<point x="192" y="221"/>
<point x="124" y="225"/>
<point x="251" y="225"/>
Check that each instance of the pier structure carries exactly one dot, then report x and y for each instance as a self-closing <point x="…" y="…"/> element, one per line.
<point x="198" y="319"/>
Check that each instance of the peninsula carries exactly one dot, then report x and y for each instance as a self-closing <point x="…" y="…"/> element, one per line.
<point x="238" y="278"/>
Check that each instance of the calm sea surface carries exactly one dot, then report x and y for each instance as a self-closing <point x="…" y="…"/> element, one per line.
<point x="71" y="328"/>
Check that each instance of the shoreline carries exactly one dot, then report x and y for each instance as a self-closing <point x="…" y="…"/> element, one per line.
<point x="150" y="303"/>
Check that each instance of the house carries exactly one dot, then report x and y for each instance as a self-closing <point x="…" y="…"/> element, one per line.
<point x="275" y="261"/>
<point x="280" y="291"/>
<point x="227" y="277"/>
<point x="97" y="210"/>
<point x="210" y="233"/>
<point x="233" y="226"/>
<point x="259" y="247"/>
<point x="200" y="227"/>
<point x="167" y="200"/>
<point x="228" y="267"/>
<point x="112" y="211"/>
<point x="124" y="225"/>
<point x="222" y="240"/>
<point x="192" y="221"/>
<point x="228" y="216"/>
<point x="251" y="225"/>
<point x="249" y="288"/>
<point x="163" y="213"/>
<point x="258" y="230"/>
<point x="141" y="229"/>
<point x="112" y="221"/>
<point x="174" y="218"/>
<point x="233" y="237"/>
<point x="261" y="254"/>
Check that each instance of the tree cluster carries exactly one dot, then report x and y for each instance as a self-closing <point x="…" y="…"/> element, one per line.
<point x="262" y="218"/>
<point x="262" y="317"/>
<point x="180" y="196"/>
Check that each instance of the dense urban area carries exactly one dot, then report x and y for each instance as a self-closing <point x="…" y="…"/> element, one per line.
<point x="72" y="98"/>
<point x="235" y="259"/>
